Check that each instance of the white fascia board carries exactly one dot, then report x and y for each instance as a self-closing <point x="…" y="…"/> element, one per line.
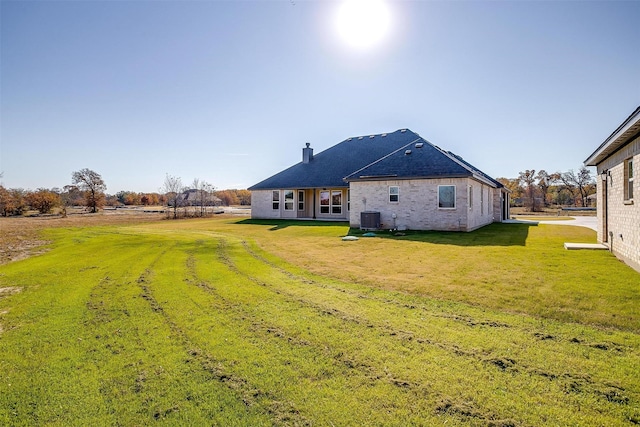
<point x="613" y="139"/>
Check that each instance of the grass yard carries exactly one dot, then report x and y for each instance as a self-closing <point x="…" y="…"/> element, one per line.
<point x="249" y="323"/>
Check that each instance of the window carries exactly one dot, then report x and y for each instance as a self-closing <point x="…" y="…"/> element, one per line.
<point x="331" y="202"/>
<point x="481" y="200"/>
<point x="470" y="189"/>
<point x="447" y="196"/>
<point x="394" y="194"/>
<point x="336" y="202"/>
<point x="628" y="179"/>
<point x="348" y="200"/>
<point x="324" y="202"/>
<point x="300" y="200"/>
<point x="288" y="200"/>
<point x="276" y="199"/>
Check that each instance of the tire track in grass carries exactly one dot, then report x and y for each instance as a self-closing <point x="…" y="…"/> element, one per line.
<point x="408" y="302"/>
<point x="361" y="383"/>
<point x="611" y="392"/>
<point x="283" y="412"/>
<point x="412" y="391"/>
<point x="141" y="357"/>
<point x="129" y="367"/>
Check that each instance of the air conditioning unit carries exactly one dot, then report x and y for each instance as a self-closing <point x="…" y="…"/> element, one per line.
<point x="369" y="220"/>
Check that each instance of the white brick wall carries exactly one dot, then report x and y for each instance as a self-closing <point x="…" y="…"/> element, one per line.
<point x="623" y="218"/>
<point x="417" y="208"/>
<point x="262" y="205"/>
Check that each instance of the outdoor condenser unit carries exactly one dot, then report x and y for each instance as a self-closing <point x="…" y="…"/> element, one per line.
<point x="369" y="220"/>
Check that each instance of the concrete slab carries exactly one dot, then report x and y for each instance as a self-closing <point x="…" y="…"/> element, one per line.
<point x="575" y="246"/>
<point x="577" y="221"/>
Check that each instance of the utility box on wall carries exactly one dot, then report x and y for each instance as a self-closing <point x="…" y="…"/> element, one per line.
<point x="369" y="220"/>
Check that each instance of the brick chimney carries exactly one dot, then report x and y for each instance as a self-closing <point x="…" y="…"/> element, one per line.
<point x="307" y="154"/>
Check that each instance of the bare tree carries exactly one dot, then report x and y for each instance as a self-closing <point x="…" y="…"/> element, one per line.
<point x="201" y="197"/>
<point x="197" y="198"/>
<point x="70" y="196"/>
<point x="209" y="191"/>
<point x="527" y="179"/>
<point x="544" y="182"/>
<point x="580" y="181"/>
<point x="173" y="189"/>
<point x="92" y="184"/>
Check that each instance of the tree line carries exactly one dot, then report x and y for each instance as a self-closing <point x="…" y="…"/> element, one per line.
<point x="88" y="189"/>
<point x="537" y="190"/>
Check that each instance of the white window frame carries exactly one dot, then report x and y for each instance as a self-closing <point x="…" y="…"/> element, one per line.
<point x="326" y="206"/>
<point x="289" y="200"/>
<point x="454" y="197"/>
<point x="396" y="194"/>
<point x="482" y="200"/>
<point x="470" y="197"/>
<point x="628" y="179"/>
<point x="336" y="208"/>
<point x="275" y="200"/>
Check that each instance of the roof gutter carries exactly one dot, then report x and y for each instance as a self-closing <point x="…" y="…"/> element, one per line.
<point x="615" y="140"/>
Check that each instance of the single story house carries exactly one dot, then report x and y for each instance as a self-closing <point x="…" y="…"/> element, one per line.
<point x="617" y="161"/>
<point x="394" y="180"/>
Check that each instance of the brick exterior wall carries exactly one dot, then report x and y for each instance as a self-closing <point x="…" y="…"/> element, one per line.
<point x="417" y="208"/>
<point x="623" y="217"/>
<point x="262" y="206"/>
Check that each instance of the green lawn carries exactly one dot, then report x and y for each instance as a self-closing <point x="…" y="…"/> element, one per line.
<point x="250" y="323"/>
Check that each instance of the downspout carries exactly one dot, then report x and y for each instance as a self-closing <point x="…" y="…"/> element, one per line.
<point x="607" y="234"/>
<point x="606" y="214"/>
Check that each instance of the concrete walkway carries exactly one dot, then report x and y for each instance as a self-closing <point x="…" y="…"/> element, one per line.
<point x="578" y="221"/>
<point x="575" y="246"/>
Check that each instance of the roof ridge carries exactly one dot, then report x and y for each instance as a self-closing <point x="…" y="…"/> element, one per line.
<point x="387" y="155"/>
<point x="369" y="135"/>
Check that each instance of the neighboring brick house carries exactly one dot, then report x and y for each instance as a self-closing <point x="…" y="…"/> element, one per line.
<point x="617" y="161"/>
<point x="399" y="179"/>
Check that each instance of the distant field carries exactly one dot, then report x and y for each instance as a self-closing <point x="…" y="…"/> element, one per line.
<point x="250" y="323"/>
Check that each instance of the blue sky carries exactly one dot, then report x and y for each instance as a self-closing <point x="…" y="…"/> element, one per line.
<point x="230" y="91"/>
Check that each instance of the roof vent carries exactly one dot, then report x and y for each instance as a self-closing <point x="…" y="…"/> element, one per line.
<point x="349" y="139"/>
<point x="359" y="137"/>
<point x="372" y="136"/>
<point x="406" y="153"/>
<point x="419" y="144"/>
<point x="384" y="134"/>
<point x="403" y="130"/>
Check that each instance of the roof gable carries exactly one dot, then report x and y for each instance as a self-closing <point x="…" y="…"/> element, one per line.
<point x="420" y="160"/>
<point x="329" y="167"/>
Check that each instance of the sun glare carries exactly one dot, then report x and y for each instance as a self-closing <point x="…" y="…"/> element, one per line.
<point x="362" y="24"/>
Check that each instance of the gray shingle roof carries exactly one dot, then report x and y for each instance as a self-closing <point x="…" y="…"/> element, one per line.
<point x="329" y="167"/>
<point x="378" y="157"/>
<point x="417" y="160"/>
